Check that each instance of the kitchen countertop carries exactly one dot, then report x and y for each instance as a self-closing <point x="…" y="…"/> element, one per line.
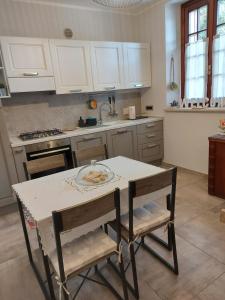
<point x="17" y="142"/>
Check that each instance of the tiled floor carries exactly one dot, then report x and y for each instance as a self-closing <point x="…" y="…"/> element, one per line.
<point x="200" y="245"/>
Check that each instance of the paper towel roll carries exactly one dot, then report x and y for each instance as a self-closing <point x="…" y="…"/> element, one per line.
<point x="132" y="112"/>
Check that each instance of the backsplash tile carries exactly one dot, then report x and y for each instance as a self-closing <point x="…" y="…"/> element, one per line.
<point x="34" y="111"/>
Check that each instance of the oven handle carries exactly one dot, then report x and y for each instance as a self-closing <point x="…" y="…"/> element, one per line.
<point x="49" y="152"/>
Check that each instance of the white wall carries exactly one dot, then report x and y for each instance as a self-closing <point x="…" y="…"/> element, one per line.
<point x="186" y="134"/>
<point x="38" y="20"/>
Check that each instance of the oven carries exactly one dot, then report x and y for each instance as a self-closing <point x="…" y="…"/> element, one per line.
<point x="50" y="148"/>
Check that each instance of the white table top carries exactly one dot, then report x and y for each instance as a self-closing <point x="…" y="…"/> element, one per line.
<point x="43" y="195"/>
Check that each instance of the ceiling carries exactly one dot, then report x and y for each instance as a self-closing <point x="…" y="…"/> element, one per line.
<point x="90" y="4"/>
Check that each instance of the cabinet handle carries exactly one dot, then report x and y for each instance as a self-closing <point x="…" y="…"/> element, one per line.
<point x="152" y="146"/>
<point x="150" y="126"/>
<point x="18" y="151"/>
<point x="150" y="136"/>
<point x="75" y="91"/>
<point x="89" y="138"/>
<point x="110" y="88"/>
<point x="121" y="131"/>
<point x="139" y="85"/>
<point x="31" y="74"/>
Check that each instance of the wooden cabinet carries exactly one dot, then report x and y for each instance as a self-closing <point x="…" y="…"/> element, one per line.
<point x="72" y="66"/>
<point x="137" y="66"/>
<point x="88" y="141"/>
<point x="28" y="64"/>
<point x="150" y="142"/>
<point x="5" y="186"/>
<point x="122" y="141"/>
<point x="107" y="65"/>
<point x="216" y="176"/>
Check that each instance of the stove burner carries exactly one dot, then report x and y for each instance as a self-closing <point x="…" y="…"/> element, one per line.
<point x="39" y="134"/>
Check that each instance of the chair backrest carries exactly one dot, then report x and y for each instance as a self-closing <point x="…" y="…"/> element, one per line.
<point x="75" y="216"/>
<point x="151" y="184"/>
<point x="88" y="154"/>
<point x="44" y="164"/>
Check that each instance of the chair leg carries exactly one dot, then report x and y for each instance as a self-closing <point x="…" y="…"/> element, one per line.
<point x="170" y="245"/>
<point x="173" y="241"/>
<point x="134" y="271"/>
<point x="123" y="278"/>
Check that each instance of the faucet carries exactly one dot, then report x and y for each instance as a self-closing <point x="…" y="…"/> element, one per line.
<point x="101" y="110"/>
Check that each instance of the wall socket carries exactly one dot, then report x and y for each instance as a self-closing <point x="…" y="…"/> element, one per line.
<point x="149" y="107"/>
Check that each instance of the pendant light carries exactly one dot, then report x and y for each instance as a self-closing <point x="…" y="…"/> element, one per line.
<point x="118" y="3"/>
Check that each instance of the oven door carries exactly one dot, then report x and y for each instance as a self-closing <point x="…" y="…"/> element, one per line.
<point x="65" y="150"/>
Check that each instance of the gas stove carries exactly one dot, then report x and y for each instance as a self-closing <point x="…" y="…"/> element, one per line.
<point x="39" y="134"/>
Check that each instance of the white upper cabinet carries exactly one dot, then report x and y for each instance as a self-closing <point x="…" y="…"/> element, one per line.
<point x="28" y="64"/>
<point x="72" y="66"/>
<point x="137" y="67"/>
<point x="26" y="57"/>
<point x="107" y="65"/>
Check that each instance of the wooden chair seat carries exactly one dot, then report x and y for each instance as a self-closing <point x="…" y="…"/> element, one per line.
<point x="84" y="251"/>
<point x="145" y="219"/>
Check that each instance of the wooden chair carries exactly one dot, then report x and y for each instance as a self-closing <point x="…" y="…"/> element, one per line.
<point x="87" y="251"/>
<point x="49" y="163"/>
<point x="141" y="222"/>
<point x="84" y="155"/>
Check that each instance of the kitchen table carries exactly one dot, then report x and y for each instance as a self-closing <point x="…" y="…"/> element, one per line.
<point x="40" y="197"/>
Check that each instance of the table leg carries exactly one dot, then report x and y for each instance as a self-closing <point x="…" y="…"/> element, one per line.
<point x="33" y="265"/>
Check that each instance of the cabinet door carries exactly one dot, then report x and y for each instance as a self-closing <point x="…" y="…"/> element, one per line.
<point x="137" y="65"/>
<point x="26" y="57"/>
<point x="88" y="141"/>
<point x="122" y="142"/>
<point x="107" y="65"/>
<point x="5" y="189"/>
<point x="72" y="66"/>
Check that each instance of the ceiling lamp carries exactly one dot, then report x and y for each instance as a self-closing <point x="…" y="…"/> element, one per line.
<point x="118" y="3"/>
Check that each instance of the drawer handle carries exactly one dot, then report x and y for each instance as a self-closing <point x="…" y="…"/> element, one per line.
<point x="18" y="151"/>
<point x="88" y="138"/>
<point x="153" y="146"/>
<point x="75" y="91"/>
<point x="149" y="136"/>
<point x="110" y="88"/>
<point x="121" y="131"/>
<point x="150" y="126"/>
<point x="31" y="74"/>
<point x="139" y="85"/>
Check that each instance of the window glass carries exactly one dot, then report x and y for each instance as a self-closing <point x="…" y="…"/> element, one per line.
<point x="221" y="29"/>
<point x="202" y="17"/>
<point x="221" y="12"/>
<point x="198" y="21"/>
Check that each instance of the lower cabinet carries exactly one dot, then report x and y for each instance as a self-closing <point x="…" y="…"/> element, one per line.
<point x="88" y="141"/>
<point x="122" y="142"/>
<point x="5" y="185"/>
<point x="150" y="142"/>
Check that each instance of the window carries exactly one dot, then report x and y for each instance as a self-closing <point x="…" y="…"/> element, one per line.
<point x="203" y="49"/>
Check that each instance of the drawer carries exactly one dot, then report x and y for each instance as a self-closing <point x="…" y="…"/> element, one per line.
<point x="151" y="151"/>
<point x="150" y="127"/>
<point x="149" y="137"/>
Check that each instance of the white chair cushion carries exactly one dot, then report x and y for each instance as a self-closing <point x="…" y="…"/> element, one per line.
<point x="145" y="218"/>
<point x="83" y="251"/>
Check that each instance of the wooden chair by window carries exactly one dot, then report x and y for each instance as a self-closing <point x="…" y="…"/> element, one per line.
<point x="44" y="165"/>
<point x="83" y="155"/>
<point x="88" y="250"/>
<point x="140" y="222"/>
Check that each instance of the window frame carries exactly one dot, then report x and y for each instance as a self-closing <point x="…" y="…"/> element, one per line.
<point x="211" y="31"/>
